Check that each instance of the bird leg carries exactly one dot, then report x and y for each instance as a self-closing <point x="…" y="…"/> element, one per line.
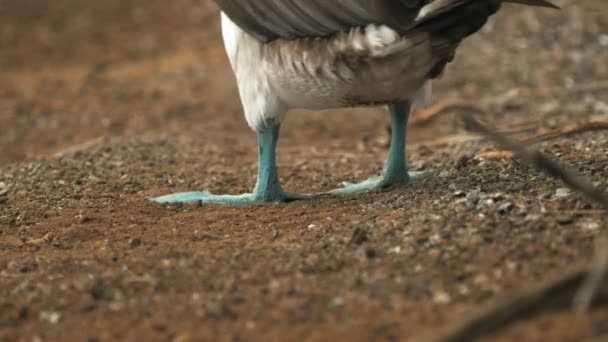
<point x="267" y="188"/>
<point x="395" y="168"/>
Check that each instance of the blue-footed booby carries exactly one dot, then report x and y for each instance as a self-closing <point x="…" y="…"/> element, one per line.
<point x="322" y="54"/>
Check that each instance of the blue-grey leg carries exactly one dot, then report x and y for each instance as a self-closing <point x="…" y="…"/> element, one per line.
<point x="395" y="168"/>
<point x="267" y="188"/>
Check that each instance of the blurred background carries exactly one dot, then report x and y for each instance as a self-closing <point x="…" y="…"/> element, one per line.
<point x="78" y="70"/>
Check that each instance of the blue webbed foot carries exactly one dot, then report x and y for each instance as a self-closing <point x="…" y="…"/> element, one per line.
<point x="379" y="183"/>
<point x="244" y="199"/>
<point x="395" y="171"/>
<point x="267" y="189"/>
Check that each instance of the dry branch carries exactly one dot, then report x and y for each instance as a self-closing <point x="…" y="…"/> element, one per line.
<point x="593" y="86"/>
<point x="497" y="155"/>
<point x="580" y="128"/>
<point x="432" y="113"/>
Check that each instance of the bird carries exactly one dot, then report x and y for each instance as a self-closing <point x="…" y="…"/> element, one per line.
<point x="327" y="54"/>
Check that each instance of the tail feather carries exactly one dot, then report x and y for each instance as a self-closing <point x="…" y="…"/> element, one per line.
<point x="451" y="21"/>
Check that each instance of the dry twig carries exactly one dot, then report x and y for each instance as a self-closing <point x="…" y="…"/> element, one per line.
<point x="593" y="86"/>
<point x="499" y="155"/>
<point x="432" y="113"/>
<point x="584" y="127"/>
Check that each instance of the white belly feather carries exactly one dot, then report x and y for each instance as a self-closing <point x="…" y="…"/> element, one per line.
<point x="368" y="66"/>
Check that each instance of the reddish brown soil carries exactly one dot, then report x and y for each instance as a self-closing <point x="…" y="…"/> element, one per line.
<point x="103" y="104"/>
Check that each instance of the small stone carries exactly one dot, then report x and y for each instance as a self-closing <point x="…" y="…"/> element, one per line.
<point x="565" y="219"/>
<point x="474" y="196"/>
<point x="480" y="279"/>
<point x="395" y="250"/>
<point x="370" y="253"/>
<point x="336" y="302"/>
<point x="464" y="290"/>
<point x="56" y="243"/>
<point x="561" y="193"/>
<point x="547" y="195"/>
<point x="24" y="312"/>
<point x="459" y="194"/>
<point x="196" y="204"/>
<point x="497" y="197"/>
<point x="101" y="290"/>
<point x="591" y="226"/>
<point x="462" y="161"/>
<point x="313" y="259"/>
<point x="84" y="219"/>
<point x="505" y="208"/>
<point x="51" y="317"/>
<point x="359" y="236"/>
<point x="361" y="254"/>
<point x="442" y="297"/>
<point x="134" y="242"/>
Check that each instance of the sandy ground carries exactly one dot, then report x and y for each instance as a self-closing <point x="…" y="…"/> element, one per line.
<point x="103" y="104"/>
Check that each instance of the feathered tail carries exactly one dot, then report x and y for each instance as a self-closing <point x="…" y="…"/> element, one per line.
<point x="451" y="21"/>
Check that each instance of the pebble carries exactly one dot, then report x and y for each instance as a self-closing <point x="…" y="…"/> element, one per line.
<point x="442" y="297"/>
<point x="134" y="242"/>
<point x="50" y="316"/>
<point x="395" y="250"/>
<point x="336" y="302"/>
<point x="474" y="196"/>
<point x="459" y="194"/>
<point x="464" y="290"/>
<point x="591" y="226"/>
<point x="564" y="219"/>
<point x="196" y="204"/>
<point x="505" y="208"/>
<point x="561" y="193"/>
<point x="359" y="236"/>
<point x="462" y="161"/>
<point x="370" y="253"/>
<point x="480" y="279"/>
